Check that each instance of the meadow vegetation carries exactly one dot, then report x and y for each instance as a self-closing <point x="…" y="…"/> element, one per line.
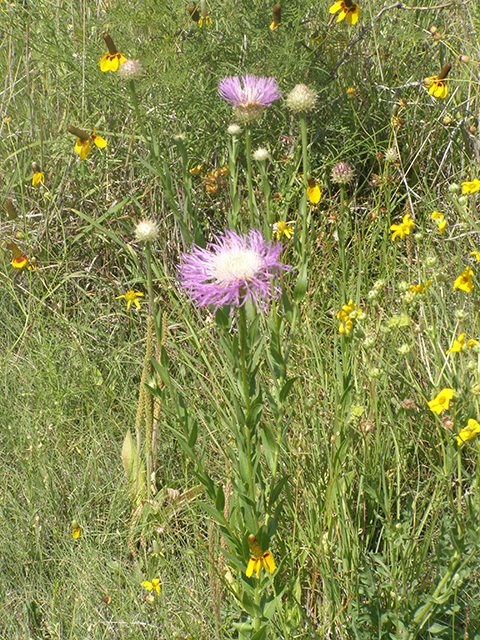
<point x="239" y="322"/>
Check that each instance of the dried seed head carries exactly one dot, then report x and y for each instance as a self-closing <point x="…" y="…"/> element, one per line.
<point x="112" y="49"/>
<point x="391" y="155"/>
<point x="192" y="10"/>
<point x="80" y="133"/>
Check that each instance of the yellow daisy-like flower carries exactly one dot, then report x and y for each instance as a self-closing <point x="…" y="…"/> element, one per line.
<point x="464" y="281"/>
<point x="459" y="343"/>
<point x="402" y="229"/>
<point x="131" y="296"/>
<point x="154" y="585"/>
<point x="19" y="259"/>
<point x="438" y="87"/>
<point x="204" y="20"/>
<point x="468" y="432"/>
<point x="283" y="228"/>
<point x="420" y="288"/>
<point x="113" y="59"/>
<point x="37" y="175"/>
<point x="277" y="16"/>
<point x="83" y="145"/>
<point x="313" y="191"/>
<point x="347" y="315"/>
<point x="260" y="558"/>
<point x="442" y="401"/>
<point x="476" y="254"/>
<point x="348" y="11"/>
<point x="471" y="187"/>
<point x="76" y="530"/>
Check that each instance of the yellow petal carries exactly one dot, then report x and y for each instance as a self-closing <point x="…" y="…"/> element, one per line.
<point x="250" y="567"/>
<point x="100" y="142"/>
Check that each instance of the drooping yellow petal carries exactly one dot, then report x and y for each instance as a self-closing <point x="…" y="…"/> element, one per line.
<point x="268" y="562"/>
<point x="100" y="142"/>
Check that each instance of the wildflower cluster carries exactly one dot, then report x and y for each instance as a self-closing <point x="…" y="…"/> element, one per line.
<point x="440" y="221"/>
<point x="348" y="315"/>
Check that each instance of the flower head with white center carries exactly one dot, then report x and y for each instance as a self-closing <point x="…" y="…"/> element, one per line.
<point x="250" y="99"/>
<point x="233" y="269"/>
<point x="146" y="231"/>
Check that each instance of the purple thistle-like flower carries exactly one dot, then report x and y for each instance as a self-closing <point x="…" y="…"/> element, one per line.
<point x="249" y="100"/>
<point x="232" y="270"/>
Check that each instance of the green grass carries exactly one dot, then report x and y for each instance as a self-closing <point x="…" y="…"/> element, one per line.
<point x="377" y="519"/>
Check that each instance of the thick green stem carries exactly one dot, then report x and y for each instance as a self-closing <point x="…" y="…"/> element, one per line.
<point x="303" y="202"/>
<point x="248" y="153"/>
<point x="242" y="324"/>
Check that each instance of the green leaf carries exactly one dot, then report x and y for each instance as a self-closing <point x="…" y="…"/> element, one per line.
<point x="286" y="388"/>
<point x="301" y="285"/>
<point x="270" y="447"/>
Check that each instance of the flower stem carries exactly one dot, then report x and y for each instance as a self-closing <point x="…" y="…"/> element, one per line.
<point x="248" y="153"/>
<point x="303" y="201"/>
<point x="134" y="97"/>
<point x="242" y="324"/>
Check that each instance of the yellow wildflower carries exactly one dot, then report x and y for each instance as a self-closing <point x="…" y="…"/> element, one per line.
<point x="131" y="296"/>
<point x="348" y="10"/>
<point x="154" y="585"/>
<point x="468" y="432"/>
<point x="283" y="228"/>
<point x="259" y="558"/>
<point x="442" y="401"/>
<point x="113" y="59"/>
<point x="464" y="281"/>
<point x="313" y="191"/>
<point x="471" y="187"/>
<point x="402" y="229"/>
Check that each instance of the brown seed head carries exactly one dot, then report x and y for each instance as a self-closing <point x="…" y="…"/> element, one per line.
<point x="10" y="209"/>
<point x="192" y="10"/>
<point x="445" y="71"/>
<point x="277" y="13"/>
<point x="112" y="49"/>
<point x="80" y="133"/>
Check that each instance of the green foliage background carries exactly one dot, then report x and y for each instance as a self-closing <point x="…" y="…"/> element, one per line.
<point x="380" y="514"/>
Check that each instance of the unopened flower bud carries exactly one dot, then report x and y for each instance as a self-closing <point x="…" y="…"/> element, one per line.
<point x="130" y="70"/>
<point x="462" y="201"/>
<point x="301" y="98"/>
<point x="342" y="173"/>
<point x="454" y="188"/>
<point x="261" y="154"/>
<point x="146" y="231"/>
<point x="234" y="130"/>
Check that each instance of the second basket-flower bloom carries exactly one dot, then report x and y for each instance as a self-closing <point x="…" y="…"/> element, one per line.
<point x="233" y="269"/>
<point x="249" y="95"/>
